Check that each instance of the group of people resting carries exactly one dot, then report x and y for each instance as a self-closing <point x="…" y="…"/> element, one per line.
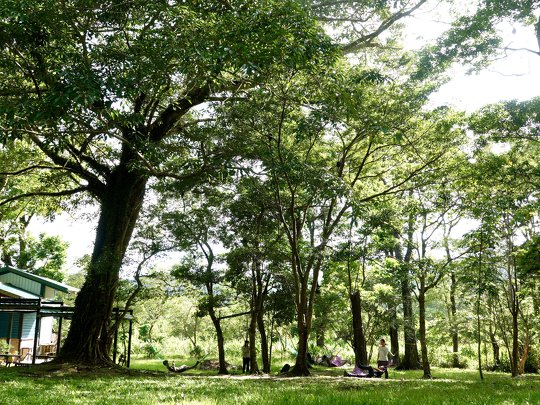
<point x="361" y="371"/>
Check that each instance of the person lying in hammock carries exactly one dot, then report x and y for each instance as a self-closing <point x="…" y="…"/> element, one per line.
<point x="361" y="371"/>
<point x="172" y="368"/>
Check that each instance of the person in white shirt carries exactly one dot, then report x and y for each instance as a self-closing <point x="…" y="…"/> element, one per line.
<point x="382" y="358"/>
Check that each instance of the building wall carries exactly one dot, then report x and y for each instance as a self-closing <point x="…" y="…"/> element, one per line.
<point x="22" y="283"/>
<point x="49" y="293"/>
<point x="46" y="331"/>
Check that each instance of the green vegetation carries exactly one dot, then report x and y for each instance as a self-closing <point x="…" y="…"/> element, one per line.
<point x="65" y="386"/>
<point x="273" y="171"/>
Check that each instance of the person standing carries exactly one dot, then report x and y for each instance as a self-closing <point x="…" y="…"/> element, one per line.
<point x="382" y="358"/>
<point x="246" y="357"/>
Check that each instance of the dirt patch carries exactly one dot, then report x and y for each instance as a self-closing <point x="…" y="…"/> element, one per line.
<point x="214" y="365"/>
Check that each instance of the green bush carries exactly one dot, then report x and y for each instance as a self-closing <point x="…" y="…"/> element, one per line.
<point x="151" y="351"/>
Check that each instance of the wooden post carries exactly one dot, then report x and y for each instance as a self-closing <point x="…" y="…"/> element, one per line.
<point x="59" y="337"/>
<point x="36" y="332"/>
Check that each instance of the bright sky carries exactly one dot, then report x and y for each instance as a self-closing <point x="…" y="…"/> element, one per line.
<point x="514" y="77"/>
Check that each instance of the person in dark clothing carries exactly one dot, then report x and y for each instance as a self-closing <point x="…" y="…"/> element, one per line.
<point x="246" y="357"/>
<point x="285" y="369"/>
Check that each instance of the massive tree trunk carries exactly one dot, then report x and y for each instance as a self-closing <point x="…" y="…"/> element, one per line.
<point x="359" y="339"/>
<point x="89" y="339"/>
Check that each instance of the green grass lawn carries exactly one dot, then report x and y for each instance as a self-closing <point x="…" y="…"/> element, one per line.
<point x="148" y="383"/>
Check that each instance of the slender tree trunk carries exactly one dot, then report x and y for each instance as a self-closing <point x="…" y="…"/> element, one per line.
<point x="265" y="356"/>
<point x="359" y="339"/>
<point x="394" y="334"/>
<point x="423" y="343"/>
<point x="90" y="339"/>
<point x="303" y="325"/>
<point x="515" y="344"/>
<point x="453" y="322"/>
<point x="478" y="298"/>
<point x="253" y="367"/>
<point x="300" y="365"/>
<point x="495" y="347"/>
<point x="524" y="355"/>
<point x="479" y="338"/>
<point x="221" y="343"/>
<point x="410" y="359"/>
<point x="513" y="303"/>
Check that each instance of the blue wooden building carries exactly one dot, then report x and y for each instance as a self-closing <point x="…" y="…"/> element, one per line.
<point x="19" y="288"/>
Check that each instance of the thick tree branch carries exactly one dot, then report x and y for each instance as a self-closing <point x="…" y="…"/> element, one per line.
<point x="32" y="168"/>
<point x="95" y="184"/>
<point x="62" y="193"/>
<point x="169" y="117"/>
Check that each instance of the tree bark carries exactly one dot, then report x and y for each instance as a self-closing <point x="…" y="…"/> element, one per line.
<point x="303" y="323"/>
<point x="253" y="366"/>
<point x="423" y="343"/>
<point x="300" y="366"/>
<point x="514" y="360"/>
<point x="410" y="359"/>
<point x="359" y="339"/>
<point x="265" y="356"/>
<point x="453" y="322"/>
<point x="394" y="334"/>
<point x="89" y="339"/>
<point x="220" y="341"/>
<point x="495" y="347"/>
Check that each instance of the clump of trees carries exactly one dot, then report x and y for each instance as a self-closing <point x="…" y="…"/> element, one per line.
<point x="281" y="162"/>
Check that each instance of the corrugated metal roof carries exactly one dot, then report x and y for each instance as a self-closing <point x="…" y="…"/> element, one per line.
<point x="15" y="292"/>
<point x="42" y="280"/>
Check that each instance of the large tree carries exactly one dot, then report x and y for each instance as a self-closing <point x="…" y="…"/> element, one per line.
<point x="105" y="91"/>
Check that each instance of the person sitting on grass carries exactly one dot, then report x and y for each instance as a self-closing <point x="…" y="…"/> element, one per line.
<point x="361" y="371"/>
<point x="172" y="368"/>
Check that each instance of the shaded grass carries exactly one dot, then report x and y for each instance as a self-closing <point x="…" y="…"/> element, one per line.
<point x="65" y="385"/>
